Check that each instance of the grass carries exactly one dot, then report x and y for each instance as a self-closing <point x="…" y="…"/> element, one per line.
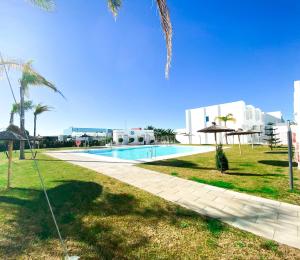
<point x="102" y="218"/>
<point x="259" y="172"/>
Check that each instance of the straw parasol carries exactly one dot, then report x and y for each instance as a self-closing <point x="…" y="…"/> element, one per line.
<point x="240" y="132"/>
<point x="215" y="129"/>
<point x="12" y="133"/>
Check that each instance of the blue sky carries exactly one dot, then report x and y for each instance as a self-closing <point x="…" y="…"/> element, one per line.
<point x="112" y="73"/>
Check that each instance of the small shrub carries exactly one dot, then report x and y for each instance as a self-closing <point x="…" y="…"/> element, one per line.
<point x="221" y="160"/>
<point x="152" y="141"/>
<point x="141" y="139"/>
<point x="174" y="173"/>
<point x="184" y="224"/>
<point x="120" y="140"/>
<point x="270" y="245"/>
<point x="131" y="140"/>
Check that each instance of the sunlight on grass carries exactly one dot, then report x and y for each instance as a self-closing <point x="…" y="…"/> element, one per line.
<point x="257" y="172"/>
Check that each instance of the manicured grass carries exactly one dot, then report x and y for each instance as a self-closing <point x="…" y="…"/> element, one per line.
<point x="102" y="218"/>
<point x="258" y="172"/>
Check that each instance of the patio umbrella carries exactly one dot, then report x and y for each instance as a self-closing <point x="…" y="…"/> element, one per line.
<point x="240" y="132"/>
<point x="13" y="133"/>
<point x="215" y="129"/>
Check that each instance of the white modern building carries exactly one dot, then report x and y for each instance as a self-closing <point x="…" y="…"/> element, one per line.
<point x="94" y="133"/>
<point x="247" y="117"/>
<point x="132" y="136"/>
<point x="296" y="130"/>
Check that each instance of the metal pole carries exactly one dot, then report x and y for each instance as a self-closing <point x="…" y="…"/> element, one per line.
<point x="290" y="154"/>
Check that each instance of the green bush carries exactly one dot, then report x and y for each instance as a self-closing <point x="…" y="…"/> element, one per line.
<point x="131" y="140"/>
<point x="120" y="140"/>
<point x="141" y="139"/>
<point x="221" y="160"/>
<point x="152" y="141"/>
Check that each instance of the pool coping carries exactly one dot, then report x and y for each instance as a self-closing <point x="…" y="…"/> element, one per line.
<point x="112" y="159"/>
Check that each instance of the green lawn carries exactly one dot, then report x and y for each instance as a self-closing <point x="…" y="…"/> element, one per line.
<point x="258" y="172"/>
<point x="102" y="218"/>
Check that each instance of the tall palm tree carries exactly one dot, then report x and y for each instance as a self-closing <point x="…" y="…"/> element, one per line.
<point x="115" y="5"/>
<point x="16" y="109"/>
<point x="225" y="119"/>
<point x="30" y="77"/>
<point x="39" y="109"/>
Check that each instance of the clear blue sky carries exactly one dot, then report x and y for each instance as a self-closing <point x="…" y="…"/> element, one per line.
<point x="112" y="72"/>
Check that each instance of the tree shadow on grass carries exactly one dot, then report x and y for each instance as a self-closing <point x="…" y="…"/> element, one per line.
<point x="179" y="163"/>
<point x="277" y="152"/>
<point x="81" y="209"/>
<point x="255" y="174"/>
<point x="72" y="201"/>
<point x="277" y="163"/>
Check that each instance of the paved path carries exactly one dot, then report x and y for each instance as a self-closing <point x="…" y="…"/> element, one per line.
<point x="267" y="218"/>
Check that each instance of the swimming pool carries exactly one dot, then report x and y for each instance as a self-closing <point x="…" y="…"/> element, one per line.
<point x="150" y="152"/>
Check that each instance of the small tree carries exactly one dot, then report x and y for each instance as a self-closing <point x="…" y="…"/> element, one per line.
<point x="271" y="136"/>
<point x="221" y="160"/>
<point x="131" y="140"/>
<point x="120" y="140"/>
<point x="141" y="139"/>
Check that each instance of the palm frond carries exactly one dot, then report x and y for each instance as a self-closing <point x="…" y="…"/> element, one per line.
<point x="16" y="106"/>
<point x="114" y="6"/>
<point x="40" y="108"/>
<point x="47" y="5"/>
<point x="167" y="29"/>
<point x="32" y="78"/>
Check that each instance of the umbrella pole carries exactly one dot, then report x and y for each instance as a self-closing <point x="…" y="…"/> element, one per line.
<point x="240" y="144"/>
<point x="252" y="141"/>
<point x="216" y="139"/>
<point x="9" y="171"/>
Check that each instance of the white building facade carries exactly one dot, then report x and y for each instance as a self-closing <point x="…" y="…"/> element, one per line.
<point x="296" y="128"/>
<point x="133" y="136"/>
<point x="246" y="117"/>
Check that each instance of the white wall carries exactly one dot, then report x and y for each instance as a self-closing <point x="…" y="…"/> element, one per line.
<point x="297" y="117"/>
<point x="247" y="117"/>
<point x="148" y="135"/>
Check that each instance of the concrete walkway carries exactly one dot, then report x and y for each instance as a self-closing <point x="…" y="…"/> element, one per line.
<point x="267" y="218"/>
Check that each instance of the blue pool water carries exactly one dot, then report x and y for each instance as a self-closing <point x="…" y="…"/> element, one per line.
<point x="145" y="152"/>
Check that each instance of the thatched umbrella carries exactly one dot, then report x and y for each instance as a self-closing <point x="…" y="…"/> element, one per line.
<point x="215" y="129"/>
<point x="240" y="132"/>
<point x="13" y="133"/>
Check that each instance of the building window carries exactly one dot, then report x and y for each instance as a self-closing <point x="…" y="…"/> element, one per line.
<point x="207" y="119"/>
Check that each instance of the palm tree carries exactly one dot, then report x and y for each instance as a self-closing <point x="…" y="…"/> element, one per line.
<point x="16" y="109"/>
<point x="115" y="5"/>
<point x="225" y="119"/>
<point x="30" y="77"/>
<point x="39" y="109"/>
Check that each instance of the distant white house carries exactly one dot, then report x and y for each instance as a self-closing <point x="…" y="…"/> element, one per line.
<point x="247" y="117"/>
<point x="133" y="135"/>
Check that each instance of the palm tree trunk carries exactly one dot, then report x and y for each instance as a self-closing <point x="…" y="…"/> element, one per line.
<point x="34" y="131"/>
<point x="22" y="122"/>
<point x="11" y="120"/>
<point x="225" y="133"/>
<point x="9" y="171"/>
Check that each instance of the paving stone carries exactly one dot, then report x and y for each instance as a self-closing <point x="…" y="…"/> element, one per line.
<point x="264" y="217"/>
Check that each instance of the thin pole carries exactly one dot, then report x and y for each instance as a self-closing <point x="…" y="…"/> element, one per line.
<point x="290" y="155"/>
<point x="252" y="140"/>
<point x="37" y="169"/>
<point x="9" y="171"/>
<point x="240" y="144"/>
